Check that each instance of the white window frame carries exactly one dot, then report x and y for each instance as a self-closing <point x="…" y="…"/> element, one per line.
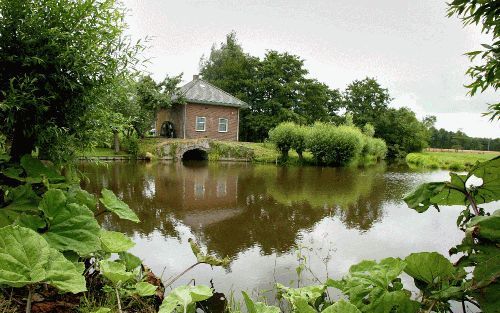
<point x="204" y="124"/>
<point x="227" y="124"/>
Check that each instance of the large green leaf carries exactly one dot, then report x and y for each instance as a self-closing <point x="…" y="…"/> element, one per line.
<point x="36" y="169"/>
<point x="26" y="258"/>
<point x="131" y="261"/>
<point x="258" y="307"/>
<point x="22" y="208"/>
<point x="375" y="287"/>
<point x="489" y="172"/>
<point x="432" y="194"/>
<point x="487" y="270"/>
<point x="114" y="242"/>
<point x="486" y="227"/>
<point x="144" y="289"/>
<point x="454" y="192"/>
<point x="184" y="297"/>
<point x="488" y="298"/>
<point x="24" y="255"/>
<point x="117" y="206"/>
<point x="79" y="196"/>
<point x="429" y="267"/>
<point x="341" y="306"/>
<point x="70" y="226"/>
<point x="300" y="298"/>
<point x="21" y="199"/>
<point x="65" y="275"/>
<point x="115" y="272"/>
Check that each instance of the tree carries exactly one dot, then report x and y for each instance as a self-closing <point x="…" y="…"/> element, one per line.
<point x="276" y="88"/>
<point x="366" y="100"/>
<point x="402" y="131"/>
<point x="149" y="98"/>
<point x="486" y="74"/>
<point x="56" y="59"/>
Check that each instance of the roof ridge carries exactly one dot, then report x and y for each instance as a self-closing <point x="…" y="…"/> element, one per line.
<point x="227" y="93"/>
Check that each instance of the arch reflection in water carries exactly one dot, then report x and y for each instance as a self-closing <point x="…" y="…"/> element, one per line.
<point x="232" y="207"/>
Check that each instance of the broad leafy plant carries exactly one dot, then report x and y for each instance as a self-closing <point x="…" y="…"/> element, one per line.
<point x="50" y="234"/>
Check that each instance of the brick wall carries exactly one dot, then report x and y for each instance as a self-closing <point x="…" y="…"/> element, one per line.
<point x="212" y="113"/>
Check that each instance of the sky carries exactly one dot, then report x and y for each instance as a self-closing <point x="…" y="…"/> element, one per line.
<point x="409" y="46"/>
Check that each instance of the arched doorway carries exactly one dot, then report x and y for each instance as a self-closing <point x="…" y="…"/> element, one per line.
<point x="167" y="130"/>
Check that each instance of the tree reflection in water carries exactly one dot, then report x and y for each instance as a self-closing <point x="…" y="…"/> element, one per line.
<point x="232" y="207"/>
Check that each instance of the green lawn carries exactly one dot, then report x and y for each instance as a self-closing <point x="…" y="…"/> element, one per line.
<point x="456" y="161"/>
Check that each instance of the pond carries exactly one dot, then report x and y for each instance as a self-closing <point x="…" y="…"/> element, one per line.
<point x="260" y="216"/>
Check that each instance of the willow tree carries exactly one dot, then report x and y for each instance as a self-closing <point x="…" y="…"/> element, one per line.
<point x="57" y="58"/>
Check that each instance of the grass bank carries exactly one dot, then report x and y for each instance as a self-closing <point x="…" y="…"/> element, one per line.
<point x="455" y="161"/>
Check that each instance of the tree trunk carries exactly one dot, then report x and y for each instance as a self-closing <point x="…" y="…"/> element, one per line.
<point x="21" y="143"/>
<point x="116" y="144"/>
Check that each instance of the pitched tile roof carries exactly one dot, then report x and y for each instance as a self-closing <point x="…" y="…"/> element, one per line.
<point x="200" y="91"/>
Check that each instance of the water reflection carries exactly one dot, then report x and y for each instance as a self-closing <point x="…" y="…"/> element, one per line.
<point x="233" y="207"/>
<point x="258" y="214"/>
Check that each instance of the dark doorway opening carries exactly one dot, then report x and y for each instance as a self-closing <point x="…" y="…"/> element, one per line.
<point x="167" y="130"/>
<point x="195" y="155"/>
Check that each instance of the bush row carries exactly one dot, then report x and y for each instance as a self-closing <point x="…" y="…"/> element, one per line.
<point x="329" y="144"/>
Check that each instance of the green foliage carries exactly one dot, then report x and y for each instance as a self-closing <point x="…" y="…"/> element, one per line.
<point x="282" y="136"/>
<point x="485" y="73"/>
<point x="117" y="206"/>
<point x="115" y="272"/>
<point x="114" y="242"/>
<point x="206" y="258"/>
<point x="374" y="147"/>
<point x="480" y="246"/>
<point x="457" y="191"/>
<point x="72" y="51"/>
<point x="303" y="299"/>
<point x="184" y="298"/>
<point x="444" y="139"/>
<point x="258" y="307"/>
<point x="334" y="145"/>
<point x="341" y="307"/>
<point x="26" y="259"/>
<point x="275" y="87"/>
<point x="402" y="132"/>
<point x="70" y="227"/>
<point x="365" y="100"/>
<point x="375" y="287"/>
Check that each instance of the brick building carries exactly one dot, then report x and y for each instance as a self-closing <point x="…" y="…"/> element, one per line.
<point x="208" y="112"/>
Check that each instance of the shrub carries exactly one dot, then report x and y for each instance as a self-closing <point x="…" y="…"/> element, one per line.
<point x="379" y="148"/>
<point x="131" y="145"/>
<point x="282" y="137"/>
<point x="299" y="135"/>
<point x="334" y="145"/>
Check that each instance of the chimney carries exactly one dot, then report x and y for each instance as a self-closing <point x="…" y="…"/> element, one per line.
<point x="196" y="77"/>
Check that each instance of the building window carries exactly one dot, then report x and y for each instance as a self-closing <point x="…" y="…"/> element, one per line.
<point x="223" y="125"/>
<point x="200" y="123"/>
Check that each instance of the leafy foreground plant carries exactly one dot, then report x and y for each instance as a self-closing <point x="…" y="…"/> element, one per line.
<point x="49" y="235"/>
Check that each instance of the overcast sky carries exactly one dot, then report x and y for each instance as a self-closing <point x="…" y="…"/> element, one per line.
<point x="409" y="46"/>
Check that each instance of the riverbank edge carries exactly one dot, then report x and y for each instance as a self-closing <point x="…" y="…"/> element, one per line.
<point x="448" y="160"/>
<point x="223" y="151"/>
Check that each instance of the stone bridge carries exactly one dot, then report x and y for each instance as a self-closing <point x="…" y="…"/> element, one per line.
<point x="179" y="149"/>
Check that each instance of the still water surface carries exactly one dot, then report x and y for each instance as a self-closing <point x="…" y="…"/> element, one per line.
<point x="258" y="215"/>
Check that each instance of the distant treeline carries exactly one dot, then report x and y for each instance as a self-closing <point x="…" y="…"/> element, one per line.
<point x="444" y="139"/>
